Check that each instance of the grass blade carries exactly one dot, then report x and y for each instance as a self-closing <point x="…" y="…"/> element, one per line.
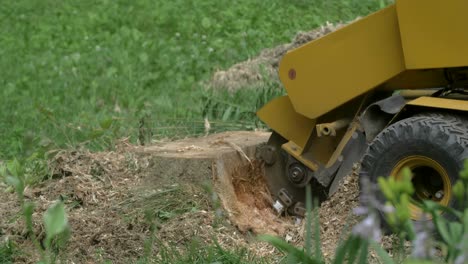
<point x="308" y="234"/>
<point x="384" y="257"/>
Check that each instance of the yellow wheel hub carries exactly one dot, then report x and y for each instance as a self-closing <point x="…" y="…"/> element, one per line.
<point x="430" y="181"/>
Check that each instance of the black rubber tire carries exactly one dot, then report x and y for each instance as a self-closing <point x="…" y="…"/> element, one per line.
<point x="441" y="137"/>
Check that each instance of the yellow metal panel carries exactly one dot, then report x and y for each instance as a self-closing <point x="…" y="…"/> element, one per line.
<point x="280" y="116"/>
<point x="297" y="153"/>
<point x="434" y="33"/>
<point x="332" y="70"/>
<point x="442" y="103"/>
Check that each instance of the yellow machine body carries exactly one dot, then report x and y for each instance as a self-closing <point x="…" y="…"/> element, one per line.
<point x="404" y="46"/>
<point x="433" y="33"/>
<point x="344" y="64"/>
<point x="407" y="63"/>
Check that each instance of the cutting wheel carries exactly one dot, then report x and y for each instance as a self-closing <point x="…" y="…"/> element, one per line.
<point x="288" y="197"/>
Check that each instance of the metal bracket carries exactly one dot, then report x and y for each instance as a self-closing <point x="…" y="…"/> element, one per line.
<point x="299" y="209"/>
<point x="285" y="198"/>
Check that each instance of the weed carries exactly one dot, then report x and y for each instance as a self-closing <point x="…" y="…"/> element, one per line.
<point x="57" y="231"/>
<point x="197" y="252"/>
<point x="7" y="252"/>
<point x="170" y="201"/>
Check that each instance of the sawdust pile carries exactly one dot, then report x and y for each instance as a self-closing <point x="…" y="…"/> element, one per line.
<point x="337" y="219"/>
<point x="256" y="72"/>
<point x="336" y="216"/>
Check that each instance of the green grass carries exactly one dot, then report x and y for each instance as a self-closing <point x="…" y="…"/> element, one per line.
<point x="199" y="252"/>
<point x="93" y="71"/>
<point x="169" y="201"/>
<point x="7" y="252"/>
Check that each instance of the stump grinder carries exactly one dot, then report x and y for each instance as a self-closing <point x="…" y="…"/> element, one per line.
<point x="388" y="91"/>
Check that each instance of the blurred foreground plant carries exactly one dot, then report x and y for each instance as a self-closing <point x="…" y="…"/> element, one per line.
<point x="451" y="239"/>
<point x="353" y="250"/>
<point x="57" y="230"/>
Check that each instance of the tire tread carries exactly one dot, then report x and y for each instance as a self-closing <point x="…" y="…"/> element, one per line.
<point x="450" y="130"/>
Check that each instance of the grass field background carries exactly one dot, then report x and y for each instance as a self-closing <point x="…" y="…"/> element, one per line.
<point x="90" y="72"/>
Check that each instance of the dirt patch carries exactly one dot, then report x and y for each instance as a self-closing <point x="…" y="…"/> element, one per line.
<point x="258" y="71"/>
<point x="92" y="185"/>
<point x="112" y="208"/>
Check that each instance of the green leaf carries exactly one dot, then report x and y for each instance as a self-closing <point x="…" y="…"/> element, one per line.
<point x="14" y="167"/>
<point x="297" y="254"/>
<point x="17" y="183"/>
<point x="318" y="250"/>
<point x="354" y="249"/>
<point x="441" y="226"/>
<point x="406" y="185"/>
<point x="3" y="171"/>
<point x="343" y="249"/>
<point x="308" y="234"/>
<point x="106" y="123"/>
<point x="350" y="247"/>
<point x="384" y="257"/>
<point x="227" y="113"/>
<point x="459" y="190"/>
<point x="164" y="215"/>
<point x="28" y="211"/>
<point x="96" y="134"/>
<point x="464" y="172"/>
<point x="55" y="221"/>
<point x="364" y="252"/>
<point x="386" y="189"/>
<point x="456" y="231"/>
<point x="430" y="207"/>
